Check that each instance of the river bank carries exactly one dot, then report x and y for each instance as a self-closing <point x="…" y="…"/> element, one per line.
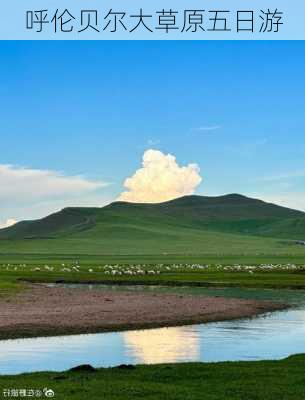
<point x="50" y="311"/>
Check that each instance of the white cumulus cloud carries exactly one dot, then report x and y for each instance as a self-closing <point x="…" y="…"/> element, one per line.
<point x="160" y="179"/>
<point x="27" y="193"/>
<point x="8" y="222"/>
<point x="25" y="183"/>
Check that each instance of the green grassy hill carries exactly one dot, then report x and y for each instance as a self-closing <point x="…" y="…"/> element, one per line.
<point x="188" y="225"/>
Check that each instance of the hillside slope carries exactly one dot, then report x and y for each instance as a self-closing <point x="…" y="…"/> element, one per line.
<point x="190" y="215"/>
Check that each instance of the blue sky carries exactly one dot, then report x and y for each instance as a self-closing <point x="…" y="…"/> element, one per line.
<point x="91" y="109"/>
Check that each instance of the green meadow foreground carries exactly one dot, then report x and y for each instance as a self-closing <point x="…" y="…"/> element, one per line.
<point x="256" y="380"/>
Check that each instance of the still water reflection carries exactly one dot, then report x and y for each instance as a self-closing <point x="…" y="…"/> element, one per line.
<point x="271" y="336"/>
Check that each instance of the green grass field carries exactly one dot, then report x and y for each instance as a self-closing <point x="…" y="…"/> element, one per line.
<point x="12" y="278"/>
<point x="263" y="380"/>
<point x="225" y="229"/>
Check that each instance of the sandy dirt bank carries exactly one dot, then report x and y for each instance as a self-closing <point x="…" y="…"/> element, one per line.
<point x="45" y="311"/>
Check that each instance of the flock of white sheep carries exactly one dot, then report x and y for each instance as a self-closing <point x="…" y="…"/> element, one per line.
<point x="149" y="269"/>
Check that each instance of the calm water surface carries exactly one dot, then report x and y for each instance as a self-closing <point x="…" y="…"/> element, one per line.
<point x="271" y="336"/>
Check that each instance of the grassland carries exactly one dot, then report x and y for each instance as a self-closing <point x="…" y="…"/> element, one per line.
<point x="225" y="229"/>
<point x="12" y="277"/>
<point x="193" y="229"/>
<point x="160" y="243"/>
<point x="262" y="380"/>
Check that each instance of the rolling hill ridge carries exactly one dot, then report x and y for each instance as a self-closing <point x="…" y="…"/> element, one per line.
<point x="230" y="214"/>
